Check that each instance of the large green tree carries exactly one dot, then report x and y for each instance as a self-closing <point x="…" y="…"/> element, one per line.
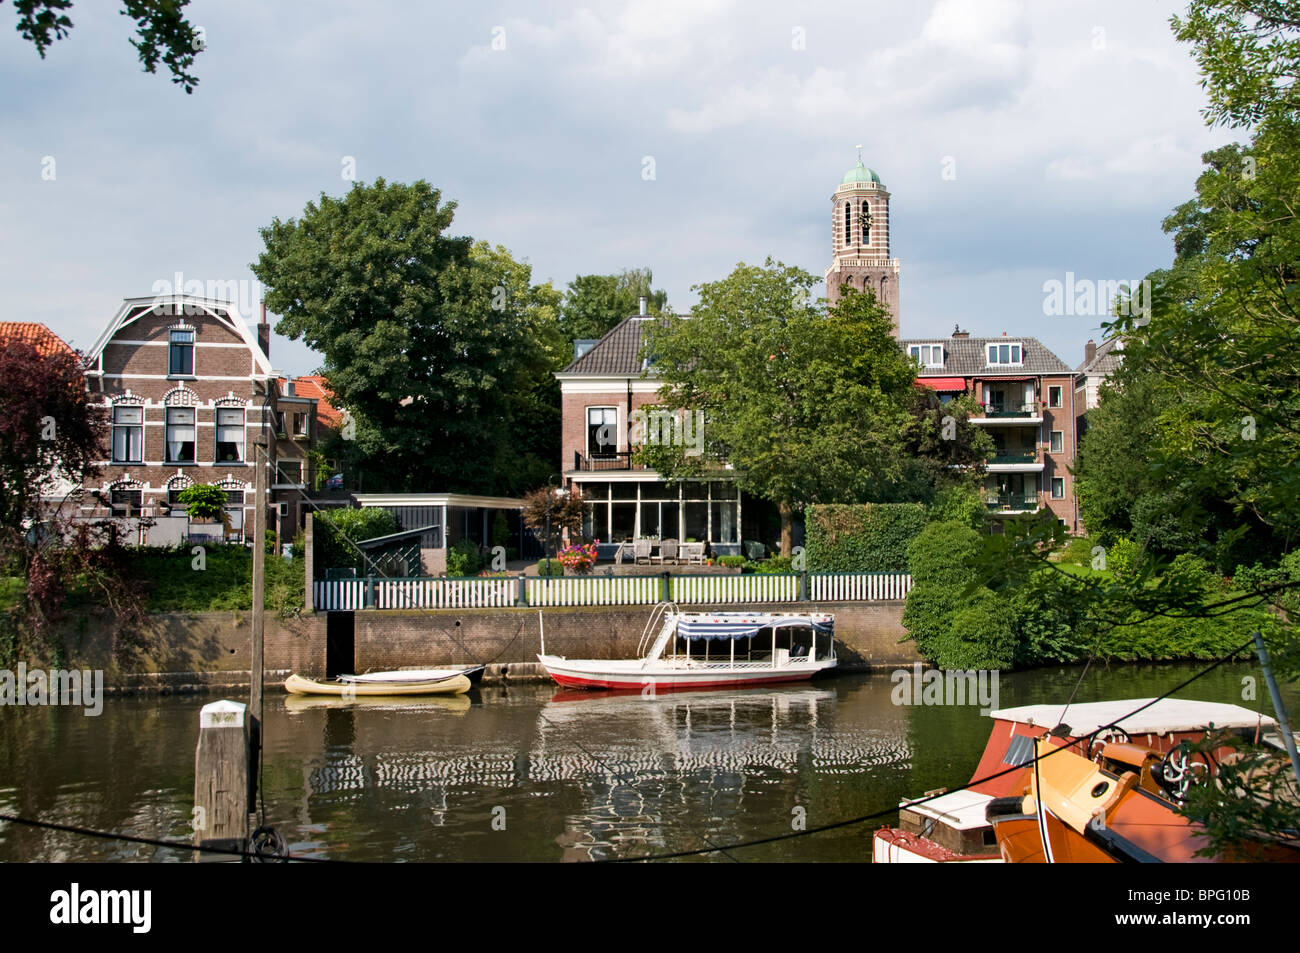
<point x="439" y="348"/>
<point x="161" y="28"/>
<point x="808" y="404"/>
<point x="594" y="304"/>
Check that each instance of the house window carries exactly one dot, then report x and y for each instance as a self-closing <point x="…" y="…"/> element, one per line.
<point x="234" y="498"/>
<point x="230" y="436"/>
<point x="927" y="355"/>
<point x="1054" y="397"/>
<point x="125" y="502"/>
<point x="602" y="431"/>
<point x="1058" y="488"/>
<point x="1058" y="441"/>
<point x="1004" y="354"/>
<point x="180" y="354"/>
<point x="288" y="471"/>
<point x="180" y="434"/>
<point x="174" y="498"/>
<point x="300" y="425"/>
<point x="128" y="434"/>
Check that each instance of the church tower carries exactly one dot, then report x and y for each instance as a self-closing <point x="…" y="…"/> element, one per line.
<point x="860" y="240"/>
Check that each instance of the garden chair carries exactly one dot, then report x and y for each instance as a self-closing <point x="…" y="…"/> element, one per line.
<point x="667" y="551"/>
<point x="641" y="550"/>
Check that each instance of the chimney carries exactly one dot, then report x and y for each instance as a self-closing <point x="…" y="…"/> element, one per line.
<point x="1089" y="351"/>
<point x="958" y="333"/>
<point x="264" y="334"/>
<point x="642" y="306"/>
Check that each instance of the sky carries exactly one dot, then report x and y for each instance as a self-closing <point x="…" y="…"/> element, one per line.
<point x="1020" y="142"/>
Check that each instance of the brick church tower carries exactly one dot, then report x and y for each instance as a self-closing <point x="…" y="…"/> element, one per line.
<point x="860" y="240"/>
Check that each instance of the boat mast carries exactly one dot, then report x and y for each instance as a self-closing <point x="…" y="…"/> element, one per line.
<point x="1284" y="724"/>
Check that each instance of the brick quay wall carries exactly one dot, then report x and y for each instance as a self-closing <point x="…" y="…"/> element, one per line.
<point x="212" y="650"/>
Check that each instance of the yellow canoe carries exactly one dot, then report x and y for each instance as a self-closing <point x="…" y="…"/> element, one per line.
<point x="297" y="685"/>
<point x="452" y="704"/>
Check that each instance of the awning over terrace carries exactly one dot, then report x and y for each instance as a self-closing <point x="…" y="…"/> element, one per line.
<point x="943" y="383"/>
<point x="743" y="628"/>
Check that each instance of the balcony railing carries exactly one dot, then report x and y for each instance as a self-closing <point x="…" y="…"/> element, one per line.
<point x="1011" y="410"/>
<point x="1012" y="501"/>
<point x="1018" y="456"/>
<point x="613" y="460"/>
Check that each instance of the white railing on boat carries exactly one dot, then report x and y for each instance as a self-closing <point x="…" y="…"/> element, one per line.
<point x="507" y="591"/>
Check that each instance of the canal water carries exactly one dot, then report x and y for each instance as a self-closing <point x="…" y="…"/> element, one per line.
<point x="527" y="773"/>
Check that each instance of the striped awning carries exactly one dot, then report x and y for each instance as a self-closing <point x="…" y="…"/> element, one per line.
<point x="743" y="628"/>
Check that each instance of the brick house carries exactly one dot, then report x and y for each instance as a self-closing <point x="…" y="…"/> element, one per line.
<point x="601" y="392"/>
<point x="189" y="391"/>
<point x="1028" y="396"/>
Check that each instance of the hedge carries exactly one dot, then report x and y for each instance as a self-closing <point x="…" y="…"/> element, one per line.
<point x="867" y="537"/>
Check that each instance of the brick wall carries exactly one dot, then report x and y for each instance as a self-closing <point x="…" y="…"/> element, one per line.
<point x="866" y="636"/>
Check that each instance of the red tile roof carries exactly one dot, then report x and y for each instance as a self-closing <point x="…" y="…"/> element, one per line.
<point x="34" y="334"/>
<point x="317" y="388"/>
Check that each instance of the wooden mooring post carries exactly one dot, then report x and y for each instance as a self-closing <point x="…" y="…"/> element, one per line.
<point x="221" y="780"/>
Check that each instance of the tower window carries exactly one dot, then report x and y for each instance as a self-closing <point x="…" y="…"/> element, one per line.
<point x="864" y="219"/>
<point x="848" y="227"/>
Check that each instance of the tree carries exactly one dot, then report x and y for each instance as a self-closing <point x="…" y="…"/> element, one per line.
<point x="561" y="511"/>
<point x="595" y="304"/>
<point x="1249" y="54"/>
<point x="49" y="432"/>
<point x="164" y="32"/>
<point x="807" y="404"/>
<point x="440" y="348"/>
<point x="204" y="501"/>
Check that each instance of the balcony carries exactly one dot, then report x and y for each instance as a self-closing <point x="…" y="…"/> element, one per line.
<point x="1024" y="460"/>
<point x="1010" y="504"/>
<point x="1030" y="413"/>
<point x="612" y="460"/>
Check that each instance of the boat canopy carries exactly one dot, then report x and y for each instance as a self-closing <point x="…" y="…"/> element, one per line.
<point x="721" y="628"/>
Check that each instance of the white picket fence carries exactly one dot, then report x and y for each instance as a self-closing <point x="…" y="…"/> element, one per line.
<point x="594" y="590"/>
<point x="755" y="587"/>
<point x="858" y="586"/>
<point x="504" y="592"/>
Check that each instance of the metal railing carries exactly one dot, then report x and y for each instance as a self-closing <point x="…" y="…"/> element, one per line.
<point x="1018" y="456"/>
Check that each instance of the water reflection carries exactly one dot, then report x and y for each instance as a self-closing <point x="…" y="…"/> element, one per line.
<point x="528" y="773"/>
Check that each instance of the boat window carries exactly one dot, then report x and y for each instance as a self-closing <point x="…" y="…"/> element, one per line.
<point x="1019" y="751"/>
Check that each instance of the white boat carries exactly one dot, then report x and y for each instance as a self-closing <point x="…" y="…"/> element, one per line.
<point x="693" y="650"/>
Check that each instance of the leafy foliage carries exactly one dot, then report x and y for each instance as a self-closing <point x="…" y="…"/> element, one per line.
<point x="595" y="304"/>
<point x="871" y="537"/>
<point x="203" y="501"/>
<point x="336" y="532"/>
<point x="464" y="559"/>
<point x="808" y="404"/>
<point x="566" y="511"/>
<point x="440" y="348"/>
<point x="164" y="32"/>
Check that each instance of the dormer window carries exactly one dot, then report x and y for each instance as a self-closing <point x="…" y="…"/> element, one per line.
<point x="1005" y="354"/>
<point x="927" y="355"/>
<point x="180" y="351"/>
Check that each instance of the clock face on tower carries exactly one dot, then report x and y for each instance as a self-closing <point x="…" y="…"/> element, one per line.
<point x="860" y="254"/>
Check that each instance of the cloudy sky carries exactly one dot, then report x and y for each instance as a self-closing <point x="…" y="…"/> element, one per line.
<point x="683" y="135"/>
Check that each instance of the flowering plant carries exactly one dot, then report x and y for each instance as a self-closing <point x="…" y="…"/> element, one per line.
<point x="578" y="557"/>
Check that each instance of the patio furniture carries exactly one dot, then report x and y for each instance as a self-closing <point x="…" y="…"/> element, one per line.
<point x="667" y="551"/>
<point x="642" y="549"/>
<point x="693" y="553"/>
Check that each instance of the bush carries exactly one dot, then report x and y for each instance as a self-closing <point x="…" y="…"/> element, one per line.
<point x="774" y="564"/>
<point x="335" y="530"/>
<point x="733" y="562"/>
<point x="464" y="559"/>
<point x="959" y="504"/>
<point x="871" y="537"/>
<point x="550" y="568"/>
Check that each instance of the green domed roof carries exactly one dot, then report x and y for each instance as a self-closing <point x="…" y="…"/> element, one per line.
<point x="859" y="173"/>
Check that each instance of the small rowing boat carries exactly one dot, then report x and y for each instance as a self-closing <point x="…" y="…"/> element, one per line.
<point x="418" y="682"/>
